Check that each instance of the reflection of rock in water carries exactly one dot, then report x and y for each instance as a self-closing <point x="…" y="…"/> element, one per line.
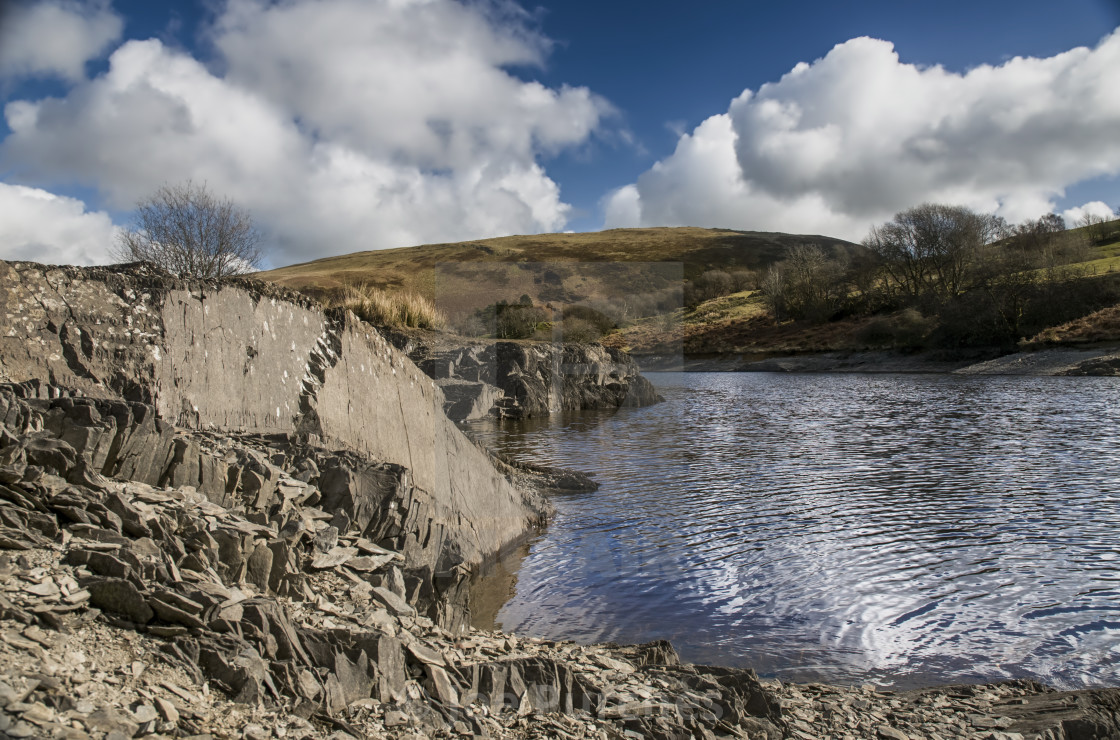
<point x="494" y="585"/>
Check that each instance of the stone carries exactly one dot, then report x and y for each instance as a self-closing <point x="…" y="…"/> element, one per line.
<point x="172" y="613"/>
<point x="425" y="654"/>
<point x="146" y="716"/>
<point x="390" y="668"/>
<point x="445" y="689"/>
<point x="326" y="539"/>
<point x="336" y="556"/>
<point x="394" y="603"/>
<point x="258" y="570"/>
<point x="21" y="730"/>
<point x="120" y="596"/>
<point x="395" y="718"/>
<point x="255" y="732"/>
<point x="368" y="564"/>
<point x="108" y="720"/>
<point x="52" y="455"/>
<point x="104" y="563"/>
<point x="167" y="710"/>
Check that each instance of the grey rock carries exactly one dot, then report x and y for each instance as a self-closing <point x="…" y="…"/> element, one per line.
<point x="336" y="556"/>
<point x="394" y="603"/>
<point x="169" y="610"/>
<point x="108" y="720"/>
<point x="119" y="596"/>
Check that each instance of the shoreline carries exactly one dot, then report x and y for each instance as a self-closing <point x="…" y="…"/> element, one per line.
<point x="1096" y="360"/>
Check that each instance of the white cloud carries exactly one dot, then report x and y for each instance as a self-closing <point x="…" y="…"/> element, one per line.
<point x="56" y="37"/>
<point x="845" y="142"/>
<point x="340" y="124"/>
<point x="44" y="227"/>
<point x="1073" y="216"/>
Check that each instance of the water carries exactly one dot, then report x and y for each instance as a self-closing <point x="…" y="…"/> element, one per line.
<point x="904" y="530"/>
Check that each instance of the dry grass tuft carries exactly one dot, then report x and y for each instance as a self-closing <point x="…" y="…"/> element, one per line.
<point x="397" y="310"/>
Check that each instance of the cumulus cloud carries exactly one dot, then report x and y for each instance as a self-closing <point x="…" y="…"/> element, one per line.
<point x="55" y="37"/>
<point x="44" y="227"/>
<point x="1098" y="209"/>
<point x="845" y="142"/>
<point x="340" y="124"/>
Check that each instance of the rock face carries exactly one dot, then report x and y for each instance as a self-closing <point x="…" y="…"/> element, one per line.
<point x="250" y="357"/>
<point x="526" y="379"/>
<point x="162" y="354"/>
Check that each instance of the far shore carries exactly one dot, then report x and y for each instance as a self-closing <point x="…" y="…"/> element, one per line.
<point x="1101" y="360"/>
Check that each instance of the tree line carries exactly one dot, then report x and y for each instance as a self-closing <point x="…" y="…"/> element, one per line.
<point x="938" y="276"/>
<point x="948" y="276"/>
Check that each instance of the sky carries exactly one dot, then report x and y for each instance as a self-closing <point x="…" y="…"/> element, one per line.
<point x="345" y="125"/>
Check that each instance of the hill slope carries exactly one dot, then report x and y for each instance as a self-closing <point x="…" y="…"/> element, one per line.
<point x="508" y="267"/>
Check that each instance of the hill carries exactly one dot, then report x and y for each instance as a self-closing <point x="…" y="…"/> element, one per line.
<point x="562" y="268"/>
<point x="694" y="291"/>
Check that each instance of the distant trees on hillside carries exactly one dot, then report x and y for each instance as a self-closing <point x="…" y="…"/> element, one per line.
<point x="926" y="252"/>
<point x="961" y="278"/>
<point x="807" y="284"/>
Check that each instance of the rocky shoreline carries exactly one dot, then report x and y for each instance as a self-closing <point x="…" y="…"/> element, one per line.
<point x="134" y="610"/>
<point x="225" y="513"/>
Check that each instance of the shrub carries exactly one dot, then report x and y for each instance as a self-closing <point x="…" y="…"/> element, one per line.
<point x="596" y="320"/>
<point x="581" y="331"/>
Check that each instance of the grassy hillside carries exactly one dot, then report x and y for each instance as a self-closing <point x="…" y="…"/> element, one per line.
<point x="623" y="272"/>
<point x="565" y="268"/>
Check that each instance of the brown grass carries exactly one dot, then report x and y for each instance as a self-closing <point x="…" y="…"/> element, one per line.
<point x="397" y="310"/>
<point x="1099" y="326"/>
<point x="469" y="275"/>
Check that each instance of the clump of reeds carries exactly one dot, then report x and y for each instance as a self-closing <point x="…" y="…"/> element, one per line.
<point x="383" y="308"/>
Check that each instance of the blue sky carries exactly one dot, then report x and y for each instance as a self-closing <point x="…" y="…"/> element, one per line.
<point x="352" y="124"/>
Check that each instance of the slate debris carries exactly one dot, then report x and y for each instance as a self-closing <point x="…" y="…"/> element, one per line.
<point x="262" y="587"/>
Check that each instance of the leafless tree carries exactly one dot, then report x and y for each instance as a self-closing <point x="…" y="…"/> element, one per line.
<point x="1096" y="227"/>
<point x="927" y="250"/>
<point x="190" y="232"/>
<point x="806" y="284"/>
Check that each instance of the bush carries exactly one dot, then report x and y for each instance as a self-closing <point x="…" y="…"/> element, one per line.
<point x="581" y="331"/>
<point x="396" y="310"/>
<point x="596" y="321"/>
<point x="518" y="321"/>
<point x="711" y="284"/>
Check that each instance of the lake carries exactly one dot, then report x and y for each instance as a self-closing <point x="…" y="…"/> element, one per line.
<point x="897" y="529"/>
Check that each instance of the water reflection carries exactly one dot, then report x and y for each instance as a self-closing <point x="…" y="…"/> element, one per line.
<point x="843" y="527"/>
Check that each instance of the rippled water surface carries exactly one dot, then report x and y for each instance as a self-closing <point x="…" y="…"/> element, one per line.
<point x="900" y="529"/>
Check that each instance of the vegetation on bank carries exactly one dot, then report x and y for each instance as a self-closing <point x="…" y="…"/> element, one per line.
<point x="935" y="277"/>
<point x="382" y="308"/>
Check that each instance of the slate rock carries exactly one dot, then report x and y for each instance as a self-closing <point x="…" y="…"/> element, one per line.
<point x="258" y="567"/>
<point x="394" y="603"/>
<point x="121" y="597"/>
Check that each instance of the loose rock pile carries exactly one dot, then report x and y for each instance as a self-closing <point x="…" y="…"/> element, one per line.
<point x="164" y="583"/>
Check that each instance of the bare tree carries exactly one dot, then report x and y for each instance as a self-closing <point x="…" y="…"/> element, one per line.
<point x="926" y="251"/>
<point x="806" y="284"/>
<point x="190" y="232"/>
<point x="1095" y="226"/>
